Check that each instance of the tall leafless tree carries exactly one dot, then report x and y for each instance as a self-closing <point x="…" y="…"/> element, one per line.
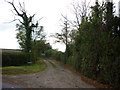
<point x="80" y="11"/>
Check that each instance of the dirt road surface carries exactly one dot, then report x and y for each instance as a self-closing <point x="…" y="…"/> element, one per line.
<point x="52" y="77"/>
<point x="7" y="85"/>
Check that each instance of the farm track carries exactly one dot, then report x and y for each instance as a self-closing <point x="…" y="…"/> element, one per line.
<point x="52" y="77"/>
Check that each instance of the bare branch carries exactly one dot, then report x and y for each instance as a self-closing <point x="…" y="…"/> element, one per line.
<point x="14" y="21"/>
<point x="12" y="3"/>
<point x="80" y="11"/>
<point x="67" y="19"/>
<point x="22" y="7"/>
<point x="13" y="12"/>
<point x="40" y="19"/>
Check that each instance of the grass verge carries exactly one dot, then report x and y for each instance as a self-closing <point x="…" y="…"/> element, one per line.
<point x="13" y="70"/>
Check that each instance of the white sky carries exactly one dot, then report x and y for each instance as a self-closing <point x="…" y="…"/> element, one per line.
<point x="50" y="10"/>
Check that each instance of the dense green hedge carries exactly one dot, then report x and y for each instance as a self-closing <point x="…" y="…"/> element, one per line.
<point x="13" y="58"/>
<point x="95" y="50"/>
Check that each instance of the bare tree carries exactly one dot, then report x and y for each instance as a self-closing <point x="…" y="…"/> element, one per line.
<point x="80" y="10"/>
<point x="63" y="37"/>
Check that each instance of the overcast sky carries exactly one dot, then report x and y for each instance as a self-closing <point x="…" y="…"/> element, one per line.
<point x="50" y="10"/>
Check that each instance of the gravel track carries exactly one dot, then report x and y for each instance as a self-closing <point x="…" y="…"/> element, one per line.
<point x="52" y="77"/>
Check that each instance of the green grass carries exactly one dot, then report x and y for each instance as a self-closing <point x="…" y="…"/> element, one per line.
<point x="13" y="70"/>
<point x="52" y="64"/>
